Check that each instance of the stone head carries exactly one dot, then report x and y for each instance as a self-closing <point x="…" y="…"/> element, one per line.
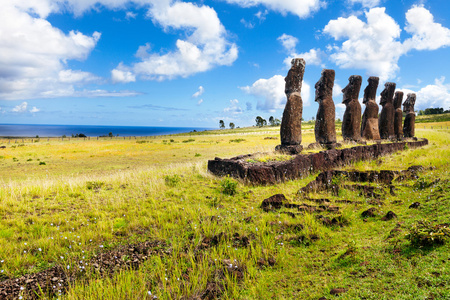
<point x="351" y="91"/>
<point x="388" y="93"/>
<point x="371" y="89"/>
<point x="324" y="87"/>
<point x="294" y="77"/>
<point x="398" y="98"/>
<point x="408" y="105"/>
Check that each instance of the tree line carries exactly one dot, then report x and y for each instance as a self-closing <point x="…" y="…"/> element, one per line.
<point x="433" y="111"/>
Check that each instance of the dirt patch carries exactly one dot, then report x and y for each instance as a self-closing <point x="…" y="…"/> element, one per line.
<point x="56" y="280"/>
<point x="278" y="201"/>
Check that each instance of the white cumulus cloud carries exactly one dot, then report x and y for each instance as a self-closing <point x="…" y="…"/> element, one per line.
<point x="375" y="45"/>
<point x="233" y="108"/>
<point x="122" y="74"/>
<point x="426" y="34"/>
<point x="33" y="53"/>
<point x="21" y="108"/>
<point x="289" y="43"/>
<point x="34" y="110"/>
<point x="432" y="95"/>
<point x="270" y="93"/>
<point x="198" y="93"/>
<point x="302" y="9"/>
<point x="205" y="47"/>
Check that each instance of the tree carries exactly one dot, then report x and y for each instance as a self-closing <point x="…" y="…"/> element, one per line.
<point x="271" y="121"/>
<point x="222" y="124"/>
<point x="110" y="134"/>
<point x="232" y="125"/>
<point x="260" y="122"/>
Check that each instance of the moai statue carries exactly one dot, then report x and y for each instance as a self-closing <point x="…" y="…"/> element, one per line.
<point x="291" y="124"/>
<point x="369" y="125"/>
<point x="351" y="123"/>
<point x="410" y="119"/>
<point x="324" y="129"/>
<point x="398" y="126"/>
<point x="386" y="121"/>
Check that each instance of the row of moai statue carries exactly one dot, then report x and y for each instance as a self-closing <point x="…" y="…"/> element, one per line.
<point x="371" y="127"/>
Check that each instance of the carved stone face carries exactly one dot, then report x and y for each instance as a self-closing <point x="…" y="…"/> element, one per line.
<point x="324" y="87"/>
<point x="398" y="99"/>
<point x="388" y="93"/>
<point x="408" y="105"/>
<point x="351" y="91"/>
<point x="319" y="90"/>
<point x="371" y="89"/>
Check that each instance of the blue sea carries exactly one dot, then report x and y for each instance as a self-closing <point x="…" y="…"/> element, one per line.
<point x="27" y="130"/>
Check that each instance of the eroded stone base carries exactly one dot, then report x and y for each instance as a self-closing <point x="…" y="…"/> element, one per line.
<point x="289" y="149"/>
<point x="302" y="164"/>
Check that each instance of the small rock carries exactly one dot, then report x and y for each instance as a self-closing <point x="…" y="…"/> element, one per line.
<point x="415" y="205"/>
<point x="337" y="291"/>
<point x="371" y="212"/>
<point x="273" y="202"/>
<point x="389" y="216"/>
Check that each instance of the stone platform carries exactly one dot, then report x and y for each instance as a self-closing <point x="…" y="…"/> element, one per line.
<point x="302" y="164"/>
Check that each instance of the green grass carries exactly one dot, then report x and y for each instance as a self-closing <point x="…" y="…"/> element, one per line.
<point x="94" y="195"/>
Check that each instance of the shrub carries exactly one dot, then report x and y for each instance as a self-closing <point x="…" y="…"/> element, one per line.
<point x="94" y="185"/>
<point x="237" y="140"/>
<point x="197" y="154"/>
<point x="172" y="180"/>
<point x="188" y="141"/>
<point x="228" y="186"/>
<point x="42" y="163"/>
<point x="423" y="233"/>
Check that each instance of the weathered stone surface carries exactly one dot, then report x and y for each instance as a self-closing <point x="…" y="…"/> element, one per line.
<point x="274" y="202"/>
<point x="324" y="129"/>
<point x="291" y="124"/>
<point x="369" y="125"/>
<point x="302" y="165"/>
<point x="386" y="121"/>
<point x="410" y="119"/>
<point x="398" y="124"/>
<point x="351" y="123"/>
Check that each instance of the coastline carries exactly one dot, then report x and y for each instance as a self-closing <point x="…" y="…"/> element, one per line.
<point x="22" y="131"/>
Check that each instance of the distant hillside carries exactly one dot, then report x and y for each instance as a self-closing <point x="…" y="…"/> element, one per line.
<point x="433" y="118"/>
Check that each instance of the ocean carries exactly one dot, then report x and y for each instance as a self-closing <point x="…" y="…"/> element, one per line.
<point x="27" y="130"/>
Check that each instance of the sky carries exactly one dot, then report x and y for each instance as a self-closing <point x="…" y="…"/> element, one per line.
<point x="193" y="63"/>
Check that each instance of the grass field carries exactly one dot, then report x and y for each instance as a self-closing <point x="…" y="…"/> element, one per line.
<point x="62" y="202"/>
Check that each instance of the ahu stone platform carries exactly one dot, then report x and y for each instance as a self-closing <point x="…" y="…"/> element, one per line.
<point x="303" y="164"/>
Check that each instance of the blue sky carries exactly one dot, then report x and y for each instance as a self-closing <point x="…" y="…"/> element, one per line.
<point x="193" y="63"/>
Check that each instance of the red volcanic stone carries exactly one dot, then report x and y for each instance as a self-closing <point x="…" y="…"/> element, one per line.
<point x="398" y="126"/>
<point x="369" y="125"/>
<point x="410" y="119"/>
<point x="274" y="202"/>
<point x="325" y="130"/>
<point x="351" y="123"/>
<point x="386" y="121"/>
<point x="261" y="175"/>
<point x="291" y="124"/>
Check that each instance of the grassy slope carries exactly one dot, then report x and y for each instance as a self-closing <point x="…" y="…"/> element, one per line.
<point x="113" y="192"/>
